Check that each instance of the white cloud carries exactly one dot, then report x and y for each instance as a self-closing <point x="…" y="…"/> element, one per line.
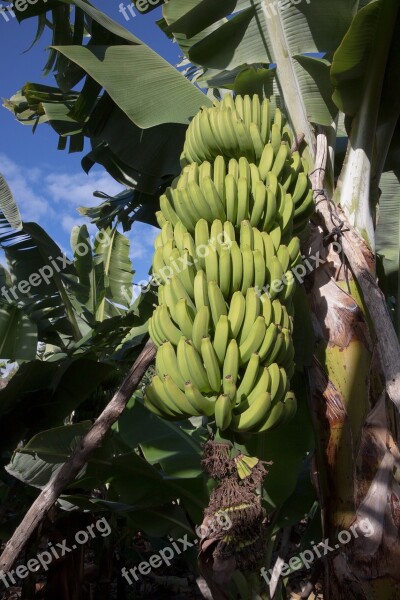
<point x="51" y="199"/>
<point x="32" y="204"/>
<point x="77" y="189"/>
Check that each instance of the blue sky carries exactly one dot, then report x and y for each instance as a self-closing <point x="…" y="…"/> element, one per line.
<point x="49" y="184"/>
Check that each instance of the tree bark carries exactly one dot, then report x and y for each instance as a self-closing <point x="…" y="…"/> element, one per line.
<point x="356" y="368"/>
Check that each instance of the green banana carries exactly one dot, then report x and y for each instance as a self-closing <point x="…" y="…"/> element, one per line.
<point x="201" y="326"/>
<point x="217" y="302"/>
<point x="231" y="362"/>
<point x="211" y="364"/>
<point x="221" y="338"/>
<point x="249" y="377"/>
<point x="205" y="406"/>
<point x="253" y="341"/>
<point x="237" y="310"/>
<point x="200" y="290"/>
<point x="195" y="368"/>
<point x="255" y="416"/>
<point x="223" y="412"/>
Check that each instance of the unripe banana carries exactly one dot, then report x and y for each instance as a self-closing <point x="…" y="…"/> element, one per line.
<point x="274" y="419"/>
<point x="165" y="400"/>
<point x="229" y="233"/>
<point x="249" y="377"/>
<point x="283" y="256"/>
<point x="187" y="273"/>
<point x="268" y="343"/>
<point x="247" y="110"/>
<point x="258" y="241"/>
<point x="225" y="271"/>
<point x="179" y="292"/>
<point x="300" y="188"/>
<point x="266" y="161"/>
<point x="278" y="118"/>
<point x="205" y="406"/>
<point x="198" y="199"/>
<point x="259" y="203"/>
<point x="205" y="170"/>
<point x="164" y="327"/>
<point x="195" y="368"/>
<point x="233" y="169"/>
<point x="189" y="245"/>
<point x="243" y="201"/>
<point x="275" y="234"/>
<point x="246" y="235"/>
<point x="201" y="290"/>
<point x="184" y="318"/>
<point x="248" y="269"/>
<point x="231" y="197"/>
<point x="217" y="234"/>
<point x="179" y="232"/>
<point x="214" y="200"/>
<point x="212" y="263"/>
<point x="211" y="364"/>
<point x="276" y="138"/>
<point x="259" y="269"/>
<point x="178" y="397"/>
<point x="253" y="341"/>
<point x="229" y="388"/>
<point x="223" y="412"/>
<point x="255" y="416"/>
<point x="201" y="325"/>
<point x="156" y="403"/>
<point x="219" y="177"/>
<point x="262" y="384"/>
<point x="265" y="120"/>
<point x="231" y="362"/>
<point x="217" y="302"/>
<point x="168" y="210"/>
<point x="280" y="159"/>
<point x="237" y="267"/>
<point x="167" y="363"/>
<point x="270" y="210"/>
<point x="237" y="310"/>
<point x="156" y="338"/>
<point x="266" y="306"/>
<point x="257" y="140"/>
<point x="252" y="312"/>
<point x="293" y="249"/>
<point x="221" y="338"/>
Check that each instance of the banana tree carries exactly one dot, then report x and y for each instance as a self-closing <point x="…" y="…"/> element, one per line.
<point x="331" y="59"/>
<point x="320" y="63"/>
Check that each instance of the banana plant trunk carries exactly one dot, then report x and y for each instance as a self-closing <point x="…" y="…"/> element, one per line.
<point x="357" y="459"/>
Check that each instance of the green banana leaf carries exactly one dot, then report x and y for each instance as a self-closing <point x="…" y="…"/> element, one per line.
<point x="18" y="335"/>
<point x="104" y="271"/>
<point x="262" y="33"/>
<point x="365" y="73"/>
<point x="135" y="481"/>
<point x="162" y="442"/>
<point x="8" y="207"/>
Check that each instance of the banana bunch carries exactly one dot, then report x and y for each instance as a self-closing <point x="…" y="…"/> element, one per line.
<point x="223" y="262"/>
<point x="259" y="146"/>
<point x="256" y="259"/>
